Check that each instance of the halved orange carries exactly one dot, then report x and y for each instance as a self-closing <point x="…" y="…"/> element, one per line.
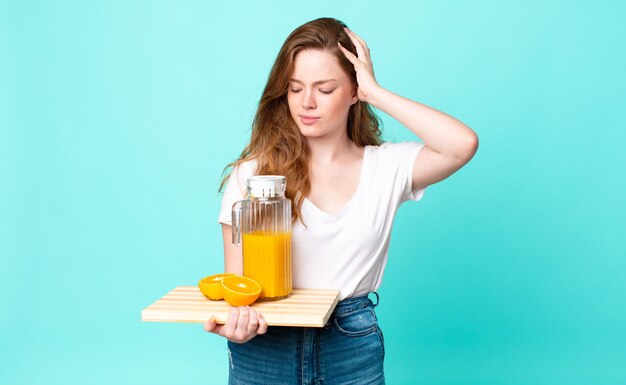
<point x="240" y="291"/>
<point x="210" y="286"/>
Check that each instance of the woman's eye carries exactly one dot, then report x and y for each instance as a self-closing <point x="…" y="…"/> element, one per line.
<point x="327" y="91"/>
<point x="294" y="90"/>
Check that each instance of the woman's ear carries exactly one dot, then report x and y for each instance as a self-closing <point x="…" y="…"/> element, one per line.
<point x="355" y="96"/>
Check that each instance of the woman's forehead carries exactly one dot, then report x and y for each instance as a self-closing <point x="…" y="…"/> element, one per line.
<point x="316" y="65"/>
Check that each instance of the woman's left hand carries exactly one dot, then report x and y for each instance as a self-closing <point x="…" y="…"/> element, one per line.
<point x="362" y="65"/>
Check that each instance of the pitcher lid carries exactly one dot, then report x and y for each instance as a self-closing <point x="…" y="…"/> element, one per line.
<point x="267" y="186"/>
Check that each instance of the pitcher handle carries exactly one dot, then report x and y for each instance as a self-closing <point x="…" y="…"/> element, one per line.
<point x="236" y="212"/>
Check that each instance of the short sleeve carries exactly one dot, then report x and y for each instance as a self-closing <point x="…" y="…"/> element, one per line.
<point x="392" y="171"/>
<point x="400" y="157"/>
<point x="407" y="154"/>
<point x="235" y="190"/>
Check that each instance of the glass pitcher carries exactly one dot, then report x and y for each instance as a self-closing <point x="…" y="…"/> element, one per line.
<point x="264" y="222"/>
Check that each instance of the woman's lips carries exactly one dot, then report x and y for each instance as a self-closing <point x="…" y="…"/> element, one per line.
<point x="308" y="120"/>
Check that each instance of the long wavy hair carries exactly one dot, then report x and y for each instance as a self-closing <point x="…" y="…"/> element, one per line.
<point x="276" y="143"/>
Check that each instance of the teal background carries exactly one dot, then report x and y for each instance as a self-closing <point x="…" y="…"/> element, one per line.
<point x="116" y="119"/>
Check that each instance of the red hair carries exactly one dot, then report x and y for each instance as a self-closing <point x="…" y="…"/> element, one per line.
<point x="276" y="142"/>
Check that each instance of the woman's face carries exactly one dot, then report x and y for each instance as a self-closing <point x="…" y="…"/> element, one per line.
<point x="320" y="94"/>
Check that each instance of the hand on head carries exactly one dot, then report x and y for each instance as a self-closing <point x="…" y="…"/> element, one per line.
<point x="362" y="65"/>
<point x="243" y="324"/>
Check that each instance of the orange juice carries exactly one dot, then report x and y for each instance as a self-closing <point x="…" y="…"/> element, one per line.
<point x="267" y="260"/>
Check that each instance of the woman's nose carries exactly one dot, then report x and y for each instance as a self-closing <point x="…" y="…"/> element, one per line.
<point x="308" y="101"/>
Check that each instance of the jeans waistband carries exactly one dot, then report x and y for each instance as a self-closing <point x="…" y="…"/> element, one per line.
<point x="350" y="304"/>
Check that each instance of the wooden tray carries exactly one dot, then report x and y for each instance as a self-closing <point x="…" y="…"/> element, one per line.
<point x="304" y="307"/>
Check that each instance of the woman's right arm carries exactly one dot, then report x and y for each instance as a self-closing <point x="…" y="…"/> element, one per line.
<point x="233" y="259"/>
<point x="243" y="323"/>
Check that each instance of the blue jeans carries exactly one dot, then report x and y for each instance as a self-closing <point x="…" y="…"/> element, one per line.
<point x="348" y="350"/>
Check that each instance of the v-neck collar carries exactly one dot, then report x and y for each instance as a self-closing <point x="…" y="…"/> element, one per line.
<point x="350" y="202"/>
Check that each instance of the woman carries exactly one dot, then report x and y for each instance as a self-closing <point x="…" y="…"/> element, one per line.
<point x="315" y="126"/>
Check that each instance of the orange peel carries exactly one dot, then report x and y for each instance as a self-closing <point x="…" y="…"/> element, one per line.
<point x="240" y="291"/>
<point x="211" y="286"/>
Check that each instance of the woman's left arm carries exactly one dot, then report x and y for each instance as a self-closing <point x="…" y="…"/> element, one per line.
<point x="448" y="143"/>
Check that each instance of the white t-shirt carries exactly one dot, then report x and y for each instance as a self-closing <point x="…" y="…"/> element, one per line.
<point x="347" y="250"/>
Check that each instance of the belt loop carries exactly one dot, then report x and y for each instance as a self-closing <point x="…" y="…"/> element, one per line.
<point x="377" y="299"/>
